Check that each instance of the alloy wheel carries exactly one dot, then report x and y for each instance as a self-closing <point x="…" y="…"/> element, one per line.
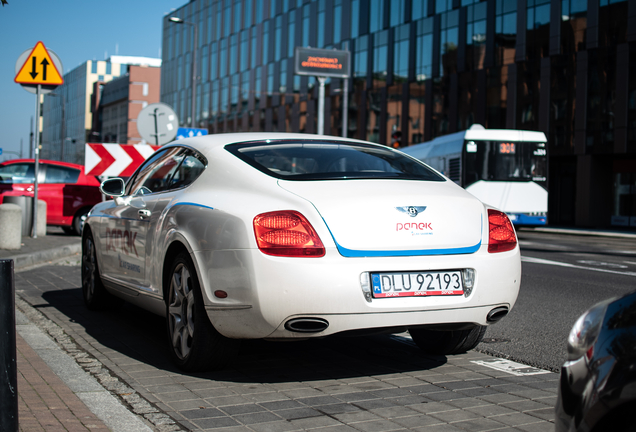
<point x="181" y="311"/>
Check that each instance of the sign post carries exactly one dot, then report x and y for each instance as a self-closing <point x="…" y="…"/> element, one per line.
<point x="38" y="69"/>
<point x="324" y="63"/>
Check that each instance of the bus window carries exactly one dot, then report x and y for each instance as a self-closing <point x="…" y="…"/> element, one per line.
<point x="505" y="161"/>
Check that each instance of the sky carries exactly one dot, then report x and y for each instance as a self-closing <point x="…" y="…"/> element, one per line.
<point x="77" y="31"/>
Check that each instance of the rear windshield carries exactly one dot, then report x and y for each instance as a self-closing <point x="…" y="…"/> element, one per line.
<point x="323" y="160"/>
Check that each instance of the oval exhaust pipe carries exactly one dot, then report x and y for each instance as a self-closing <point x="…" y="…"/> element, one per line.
<point x="496" y="314"/>
<point x="306" y="325"/>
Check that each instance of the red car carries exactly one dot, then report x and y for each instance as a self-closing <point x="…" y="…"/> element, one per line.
<point x="68" y="193"/>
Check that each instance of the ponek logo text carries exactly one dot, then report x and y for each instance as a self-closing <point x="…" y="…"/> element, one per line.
<point x="421" y="226"/>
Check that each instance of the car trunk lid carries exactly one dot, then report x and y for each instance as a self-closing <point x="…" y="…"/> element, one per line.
<point x="395" y="218"/>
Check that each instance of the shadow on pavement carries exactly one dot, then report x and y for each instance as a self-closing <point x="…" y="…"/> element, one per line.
<point x="136" y="334"/>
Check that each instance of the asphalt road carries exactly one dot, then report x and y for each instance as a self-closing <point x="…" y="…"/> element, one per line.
<point x="563" y="276"/>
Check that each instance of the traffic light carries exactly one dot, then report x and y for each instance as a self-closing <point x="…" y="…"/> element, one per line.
<point x="396" y="139"/>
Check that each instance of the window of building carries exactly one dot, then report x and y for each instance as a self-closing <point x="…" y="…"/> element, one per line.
<point x="278" y="37"/>
<point x="214" y="58"/>
<point x="206" y="101"/>
<point x="203" y="68"/>
<point x="233" y="54"/>
<point x="355" y="18"/>
<point x="337" y="21"/>
<point x="401" y="53"/>
<point x="94" y="67"/>
<point x="265" y="46"/>
<point x="219" y="20"/>
<point x="321" y="23"/>
<point x="235" y="91"/>
<point x="419" y="9"/>
<point x="244" y="50"/>
<point x="254" y="47"/>
<point x="291" y="33"/>
<point x="505" y="31"/>
<point x="210" y="27"/>
<point x="223" y="58"/>
<point x="247" y="14"/>
<point x="476" y="35"/>
<point x="443" y="6"/>
<point x="306" y="24"/>
<point x="424" y="50"/>
<point x="214" y="98"/>
<point x="245" y="86"/>
<point x="448" y="40"/>
<point x="225" y="89"/>
<point x="270" y="79"/>
<point x="376" y="16"/>
<point x="108" y="68"/>
<point x="227" y="17"/>
<point x="397" y="12"/>
<point x="283" y="77"/>
<point x="258" y="86"/>
<point x="538" y="13"/>
<point x="574" y="25"/>
<point x="237" y="15"/>
<point x="380" y="56"/>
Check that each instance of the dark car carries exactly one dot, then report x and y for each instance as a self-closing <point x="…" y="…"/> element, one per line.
<point x="69" y="193"/>
<point x="597" y="390"/>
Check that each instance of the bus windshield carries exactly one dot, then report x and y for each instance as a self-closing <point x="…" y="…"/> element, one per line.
<point x="505" y="161"/>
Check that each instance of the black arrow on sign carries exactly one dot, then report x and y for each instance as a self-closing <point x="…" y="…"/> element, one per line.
<point x="44" y="64"/>
<point x="33" y="73"/>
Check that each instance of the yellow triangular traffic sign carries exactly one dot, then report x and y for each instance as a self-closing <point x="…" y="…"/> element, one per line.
<point x="39" y="68"/>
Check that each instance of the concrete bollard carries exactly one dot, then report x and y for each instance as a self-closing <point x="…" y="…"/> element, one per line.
<point x="10" y="226"/>
<point x="8" y="351"/>
<point x="41" y="218"/>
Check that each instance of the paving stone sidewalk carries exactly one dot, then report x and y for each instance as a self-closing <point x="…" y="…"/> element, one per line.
<point x="45" y="402"/>
<point x="377" y="383"/>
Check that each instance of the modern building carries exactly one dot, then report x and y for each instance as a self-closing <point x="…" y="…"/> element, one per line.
<point x="121" y="100"/>
<point x="425" y="68"/>
<point x="67" y="120"/>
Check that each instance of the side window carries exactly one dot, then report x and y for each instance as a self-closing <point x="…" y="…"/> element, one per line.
<point x="58" y="174"/>
<point x="17" y="173"/>
<point x="142" y="171"/>
<point x="156" y="174"/>
<point x="191" y="168"/>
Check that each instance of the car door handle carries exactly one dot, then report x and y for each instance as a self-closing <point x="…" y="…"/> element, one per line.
<point x="144" y="213"/>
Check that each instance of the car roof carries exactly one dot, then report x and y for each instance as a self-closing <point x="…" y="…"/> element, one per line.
<point x="51" y="162"/>
<point x="207" y="143"/>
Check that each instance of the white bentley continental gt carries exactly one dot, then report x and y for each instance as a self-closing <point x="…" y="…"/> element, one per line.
<point x="292" y="236"/>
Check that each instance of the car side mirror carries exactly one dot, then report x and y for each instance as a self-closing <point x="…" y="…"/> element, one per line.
<point x="114" y="187"/>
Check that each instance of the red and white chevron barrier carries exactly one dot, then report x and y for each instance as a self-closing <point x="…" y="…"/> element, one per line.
<point x="115" y="160"/>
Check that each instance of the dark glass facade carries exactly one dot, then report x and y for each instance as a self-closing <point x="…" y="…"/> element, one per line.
<point x="424" y="68"/>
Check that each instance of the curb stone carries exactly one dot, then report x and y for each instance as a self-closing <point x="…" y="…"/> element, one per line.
<point x="128" y="397"/>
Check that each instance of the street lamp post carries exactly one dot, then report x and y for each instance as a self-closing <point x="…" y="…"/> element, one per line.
<point x="177" y="20"/>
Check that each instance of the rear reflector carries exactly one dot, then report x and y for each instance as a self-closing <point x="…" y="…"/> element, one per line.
<point x="287" y="233"/>
<point x="501" y="234"/>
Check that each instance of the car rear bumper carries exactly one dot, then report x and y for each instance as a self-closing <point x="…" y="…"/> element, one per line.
<point x="265" y="292"/>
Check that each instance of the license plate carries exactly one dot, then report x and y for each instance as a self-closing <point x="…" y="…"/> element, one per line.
<point x="413" y="284"/>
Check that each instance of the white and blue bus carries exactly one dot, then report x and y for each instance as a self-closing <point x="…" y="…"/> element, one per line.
<point x="505" y="168"/>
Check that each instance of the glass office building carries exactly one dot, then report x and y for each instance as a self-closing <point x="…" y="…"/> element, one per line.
<point x="425" y="68"/>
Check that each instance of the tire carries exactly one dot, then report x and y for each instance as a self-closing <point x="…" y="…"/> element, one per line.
<point x="194" y="344"/>
<point x="78" y="222"/>
<point x="447" y="342"/>
<point x="95" y="295"/>
<point x="68" y="230"/>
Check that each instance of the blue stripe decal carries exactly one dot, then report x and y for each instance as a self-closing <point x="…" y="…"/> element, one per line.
<point x="193" y="204"/>
<point x="352" y="253"/>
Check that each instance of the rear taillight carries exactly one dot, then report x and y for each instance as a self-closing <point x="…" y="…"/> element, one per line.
<point x="501" y="234"/>
<point x="287" y="233"/>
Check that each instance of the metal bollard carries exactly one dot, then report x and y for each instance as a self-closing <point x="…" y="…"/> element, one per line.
<point x="8" y="352"/>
